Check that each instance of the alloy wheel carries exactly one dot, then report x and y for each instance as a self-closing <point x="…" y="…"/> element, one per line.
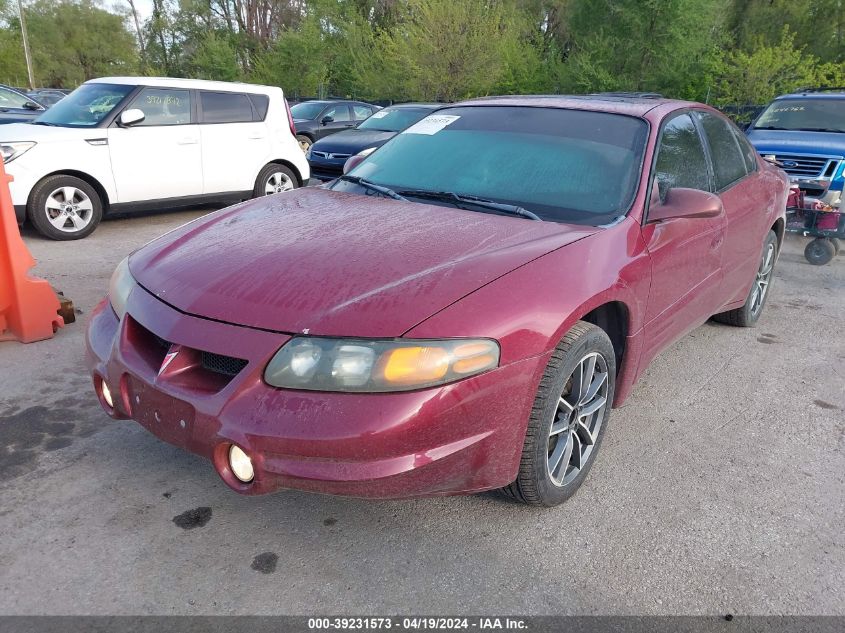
<point x="761" y="281"/>
<point x="577" y="419"/>
<point x="69" y="209"/>
<point x="277" y="182"/>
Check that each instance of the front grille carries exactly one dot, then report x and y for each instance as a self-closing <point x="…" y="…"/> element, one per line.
<point x="806" y="166"/>
<point x="329" y="155"/>
<point x="220" y="364"/>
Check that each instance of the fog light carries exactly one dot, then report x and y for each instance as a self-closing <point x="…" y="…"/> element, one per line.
<point x="107" y="395"/>
<point x="241" y="464"/>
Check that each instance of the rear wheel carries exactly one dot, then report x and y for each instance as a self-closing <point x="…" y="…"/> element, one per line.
<point x="820" y="251"/>
<point x="568" y="419"/>
<point x="749" y="313"/>
<point x="837" y="244"/>
<point x="274" y="178"/>
<point x="64" y="208"/>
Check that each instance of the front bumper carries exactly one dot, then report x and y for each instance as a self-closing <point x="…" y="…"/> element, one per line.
<point x="459" y="438"/>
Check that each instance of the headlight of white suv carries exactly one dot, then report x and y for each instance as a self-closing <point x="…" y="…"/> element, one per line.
<point x="366" y="365"/>
<point x="120" y="286"/>
<point x="10" y="151"/>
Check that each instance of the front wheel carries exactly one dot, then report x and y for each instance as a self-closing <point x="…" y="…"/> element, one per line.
<point x="568" y="419"/>
<point x="64" y="208"/>
<point x="749" y="313"/>
<point x="274" y="178"/>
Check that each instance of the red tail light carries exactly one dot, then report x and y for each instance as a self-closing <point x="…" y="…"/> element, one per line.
<point x="290" y="119"/>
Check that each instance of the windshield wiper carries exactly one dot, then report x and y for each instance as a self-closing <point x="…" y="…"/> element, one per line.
<point x="459" y="199"/>
<point x="820" y="129"/>
<point x="385" y="191"/>
<point x="770" y="127"/>
<point x="43" y="123"/>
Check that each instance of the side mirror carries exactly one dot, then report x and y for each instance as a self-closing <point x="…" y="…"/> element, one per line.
<point x="327" y="119"/>
<point x="131" y="117"/>
<point x="352" y="162"/>
<point x="31" y="105"/>
<point x="684" y="203"/>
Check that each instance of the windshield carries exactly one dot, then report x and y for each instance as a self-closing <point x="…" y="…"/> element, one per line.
<point x="572" y="166"/>
<point x="827" y="115"/>
<point x="307" y="110"/>
<point x="86" y="106"/>
<point x="394" y="119"/>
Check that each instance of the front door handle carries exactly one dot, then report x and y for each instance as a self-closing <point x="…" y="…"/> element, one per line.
<point x="188" y="140"/>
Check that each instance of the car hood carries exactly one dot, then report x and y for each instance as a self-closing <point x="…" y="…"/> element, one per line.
<point x="353" y="141"/>
<point x="796" y="142"/>
<point x="330" y="263"/>
<point x="46" y="133"/>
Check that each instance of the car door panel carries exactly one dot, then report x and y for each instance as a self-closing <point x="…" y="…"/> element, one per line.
<point x="342" y="120"/>
<point x="235" y="146"/>
<point x="686" y="253"/>
<point x="160" y="157"/>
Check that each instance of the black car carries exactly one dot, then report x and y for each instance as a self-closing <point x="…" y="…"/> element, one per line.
<point x="326" y="157"/>
<point x="317" y="119"/>
<point x="16" y="107"/>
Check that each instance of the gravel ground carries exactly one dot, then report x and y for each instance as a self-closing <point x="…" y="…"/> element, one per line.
<point x="719" y="489"/>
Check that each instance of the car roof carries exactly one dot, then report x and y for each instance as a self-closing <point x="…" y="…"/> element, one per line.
<point x="836" y="93"/>
<point x="633" y="105"/>
<point x="196" y="84"/>
<point x="430" y="106"/>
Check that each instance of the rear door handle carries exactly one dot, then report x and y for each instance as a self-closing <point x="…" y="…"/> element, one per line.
<point x="256" y="137"/>
<point x="188" y="140"/>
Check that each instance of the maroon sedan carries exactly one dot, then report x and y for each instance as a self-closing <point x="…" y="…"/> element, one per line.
<point x="458" y="313"/>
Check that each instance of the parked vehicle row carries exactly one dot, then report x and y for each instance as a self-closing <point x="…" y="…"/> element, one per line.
<point x="123" y="144"/>
<point x="328" y="155"/>
<point x="16" y="106"/>
<point x="459" y="312"/>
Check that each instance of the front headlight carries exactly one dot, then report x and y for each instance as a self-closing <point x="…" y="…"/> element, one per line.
<point x="10" y="151"/>
<point x="361" y="365"/>
<point x="120" y="286"/>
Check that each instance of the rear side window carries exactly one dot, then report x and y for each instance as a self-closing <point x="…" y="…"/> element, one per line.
<point x="748" y="151"/>
<point x="361" y="112"/>
<point x="261" y="103"/>
<point x="681" y="161"/>
<point x="225" y="107"/>
<point x="162" y="106"/>
<point x="728" y="162"/>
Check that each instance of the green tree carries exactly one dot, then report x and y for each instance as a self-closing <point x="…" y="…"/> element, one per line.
<point x="98" y="43"/>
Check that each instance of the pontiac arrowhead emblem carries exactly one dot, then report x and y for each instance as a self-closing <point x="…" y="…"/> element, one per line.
<point x="167" y="360"/>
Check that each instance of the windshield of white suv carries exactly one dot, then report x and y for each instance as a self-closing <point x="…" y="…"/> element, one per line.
<point x="575" y="166"/>
<point x="807" y="115"/>
<point x="307" y="110"/>
<point x="86" y="106"/>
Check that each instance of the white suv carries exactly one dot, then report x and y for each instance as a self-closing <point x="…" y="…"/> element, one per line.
<point x="120" y="144"/>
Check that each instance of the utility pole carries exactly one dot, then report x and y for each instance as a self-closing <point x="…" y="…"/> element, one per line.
<point x="140" y="35"/>
<point x="26" y="47"/>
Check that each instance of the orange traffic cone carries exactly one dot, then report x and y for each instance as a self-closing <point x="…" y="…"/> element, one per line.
<point x="27" y="305"/>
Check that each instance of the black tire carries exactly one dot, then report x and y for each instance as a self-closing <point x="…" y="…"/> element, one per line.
<point x="77" y="211"/>
<point x="263" y="184"/>
<point x="534" y="483"/>
<point x="837" y="244"/>
<point x="749" y="313"/>
<point x="820" y="251"/>
<point x="304" y="141"/>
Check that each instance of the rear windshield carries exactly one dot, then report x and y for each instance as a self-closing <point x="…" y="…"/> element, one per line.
<point x="572" y="166"/>
<point x="807" y="115"/>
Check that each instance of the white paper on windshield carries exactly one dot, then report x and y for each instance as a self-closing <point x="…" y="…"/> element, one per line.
<point x="432" y="124"/>
<point x="379" y="114"/>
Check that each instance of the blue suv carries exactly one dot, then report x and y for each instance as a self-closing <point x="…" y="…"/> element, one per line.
<point x="805" y="133"/>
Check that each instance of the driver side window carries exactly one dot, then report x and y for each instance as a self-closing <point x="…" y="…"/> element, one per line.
<point x="9" y="99"/>
<point x="681" y="161"/>
<point x="338" y="113"/>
